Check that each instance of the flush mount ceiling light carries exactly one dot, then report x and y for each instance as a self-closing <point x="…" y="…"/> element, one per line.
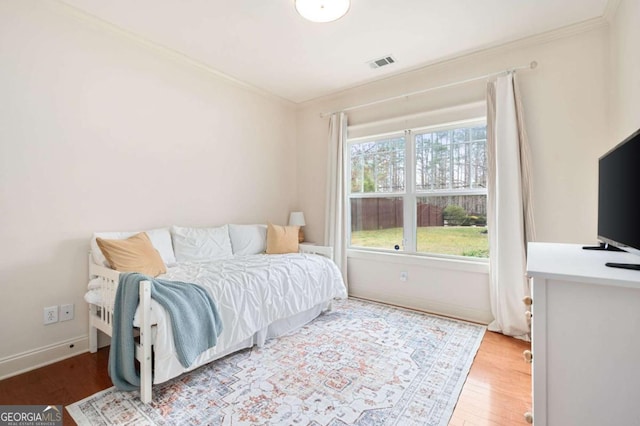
<point x="322" y="10"/>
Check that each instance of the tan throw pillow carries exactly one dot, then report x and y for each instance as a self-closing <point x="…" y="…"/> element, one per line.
<point x="134" y="254"/>
<point x="282" y="239"/>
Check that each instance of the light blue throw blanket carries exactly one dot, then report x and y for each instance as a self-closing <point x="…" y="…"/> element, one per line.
<point x="194" y="318"/>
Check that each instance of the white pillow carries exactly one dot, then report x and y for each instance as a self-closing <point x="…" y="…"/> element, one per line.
<point x="197" y="244"/>
<point x="160" y="238"/>
<point x="248" y="239"/>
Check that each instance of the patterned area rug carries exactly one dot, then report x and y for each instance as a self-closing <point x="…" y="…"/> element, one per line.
<point x="361" y="364"/>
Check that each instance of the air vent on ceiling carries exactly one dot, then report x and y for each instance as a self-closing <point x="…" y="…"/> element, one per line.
<point x="381" y="62"/>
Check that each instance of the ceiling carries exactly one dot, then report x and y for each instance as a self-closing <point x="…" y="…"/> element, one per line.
<point x="266" y="44"/>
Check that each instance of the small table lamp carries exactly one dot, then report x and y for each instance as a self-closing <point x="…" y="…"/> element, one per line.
<point x="297" y="219"/>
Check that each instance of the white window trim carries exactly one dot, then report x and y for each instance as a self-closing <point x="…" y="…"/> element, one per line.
<point x="440" y="261"/>
<point x="451" y="125"/>
<point x="409" y="196"/>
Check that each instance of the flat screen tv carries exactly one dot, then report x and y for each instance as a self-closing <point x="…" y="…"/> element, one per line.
<point x="618" y="196"/>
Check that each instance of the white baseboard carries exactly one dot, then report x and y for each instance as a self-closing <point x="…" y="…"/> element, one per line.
<point x="45" y="355"/>
<point x="428" y="306"/>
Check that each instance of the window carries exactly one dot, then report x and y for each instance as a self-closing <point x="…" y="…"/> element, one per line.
<point x="421" y="191"/>
<point x="378" y="185"/>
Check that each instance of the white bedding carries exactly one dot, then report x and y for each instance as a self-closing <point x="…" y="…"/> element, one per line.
<point x="257" y="297"/>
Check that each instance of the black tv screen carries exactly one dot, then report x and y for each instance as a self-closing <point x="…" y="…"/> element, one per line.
<point x="618" y="191"/>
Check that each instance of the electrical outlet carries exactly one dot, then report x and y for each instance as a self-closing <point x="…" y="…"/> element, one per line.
<point x="404" y="276"/>
<point x="50" y="315"/>
<point x="66" y="312"/>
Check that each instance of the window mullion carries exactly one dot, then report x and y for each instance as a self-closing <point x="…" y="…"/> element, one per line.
<point x="409" y="200"/>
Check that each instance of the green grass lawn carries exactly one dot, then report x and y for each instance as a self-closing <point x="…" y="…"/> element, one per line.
<point x="456" y="240"/>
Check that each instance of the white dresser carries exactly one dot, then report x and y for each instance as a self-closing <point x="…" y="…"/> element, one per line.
<point x="585" y="337"/>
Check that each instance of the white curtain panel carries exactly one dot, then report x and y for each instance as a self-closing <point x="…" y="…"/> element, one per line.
<point x="336" y="213"/>
<point x="509" y="210"/>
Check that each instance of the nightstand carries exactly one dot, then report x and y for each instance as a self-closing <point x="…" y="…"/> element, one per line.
<point x="313" y="248"/>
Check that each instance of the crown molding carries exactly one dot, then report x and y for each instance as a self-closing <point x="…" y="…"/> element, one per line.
<point x="611" y="9"/>
<point x="166" y="51"/>
<point x="490" y="49"/>
<point x="564" y="32"/>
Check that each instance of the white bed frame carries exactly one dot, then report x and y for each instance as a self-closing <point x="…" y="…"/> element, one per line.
<point x="101" y="316"/>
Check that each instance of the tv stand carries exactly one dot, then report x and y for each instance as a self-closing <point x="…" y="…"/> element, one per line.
<point x="602" y="246"/>
<point x="632" y="266"/>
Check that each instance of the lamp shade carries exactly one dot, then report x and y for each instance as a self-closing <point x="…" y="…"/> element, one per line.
<point x="322" y="10"/>
<point x="296" y="219"/>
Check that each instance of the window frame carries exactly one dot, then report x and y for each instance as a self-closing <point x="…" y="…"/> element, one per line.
<point x="410" y="194"/>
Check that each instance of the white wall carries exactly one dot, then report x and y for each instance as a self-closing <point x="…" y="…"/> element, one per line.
<point x="565" y="102"/>
<point x="624" y="46"/>
<point x="99" y="133"/>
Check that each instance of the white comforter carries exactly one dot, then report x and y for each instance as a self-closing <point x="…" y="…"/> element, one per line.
<point x="251" y="292"/>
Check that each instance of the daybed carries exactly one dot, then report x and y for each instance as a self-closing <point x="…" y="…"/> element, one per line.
<point x="259" y="296"/>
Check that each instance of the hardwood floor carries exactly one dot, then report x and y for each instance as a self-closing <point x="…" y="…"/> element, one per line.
<point x="61" y="383"/>
<point x="497" y="390"/>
